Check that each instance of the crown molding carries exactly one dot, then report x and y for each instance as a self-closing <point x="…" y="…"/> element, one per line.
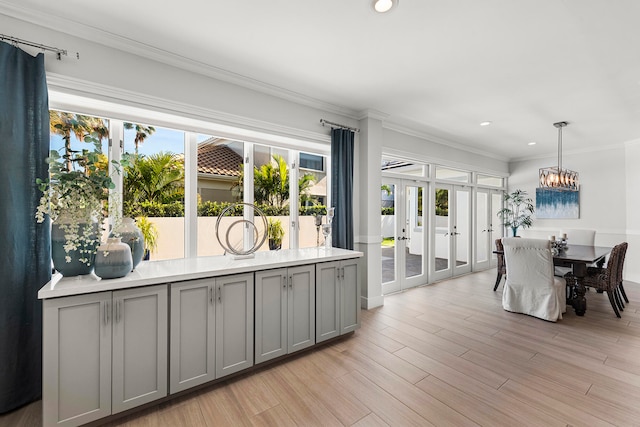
<point x="571" y="152"/>
<point x="632" y="143"/>
<point x="372" y="114"/>
<point x="111" y="40"/>
<point x="423" y="135"/>
<point x="66" y="85"/>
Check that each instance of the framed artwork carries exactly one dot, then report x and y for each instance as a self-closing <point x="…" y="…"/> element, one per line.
<point x="551" y="203"/>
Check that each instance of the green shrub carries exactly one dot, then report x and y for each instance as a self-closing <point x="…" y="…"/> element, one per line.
<point x="388" y="211"/>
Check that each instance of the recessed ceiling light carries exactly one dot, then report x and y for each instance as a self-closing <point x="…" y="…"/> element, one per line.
<point x="485" y="123"/>
<point x="532" y="143"/>
<point x="382" y="6"/>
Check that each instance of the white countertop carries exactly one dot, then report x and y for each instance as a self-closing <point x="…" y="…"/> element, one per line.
<point x="157" y="272"/>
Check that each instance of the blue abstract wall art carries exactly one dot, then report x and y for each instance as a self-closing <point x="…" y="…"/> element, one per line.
<point x="556" y="204"/>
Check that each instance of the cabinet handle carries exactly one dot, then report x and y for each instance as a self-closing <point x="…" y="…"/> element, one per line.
<point x="211" y="295"/>
<point x="290" y="282"/>
<point x="220" y="293"/>
<point x="284" y="282"/>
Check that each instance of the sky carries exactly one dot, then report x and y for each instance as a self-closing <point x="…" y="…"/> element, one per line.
<point x="163" y="139"/>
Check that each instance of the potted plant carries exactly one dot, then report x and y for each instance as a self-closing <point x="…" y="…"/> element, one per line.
<point x="517" y="211"/>
<point x="275" y="233"/>
<point x="75" y="194"/>
<point x="150" y="233"/>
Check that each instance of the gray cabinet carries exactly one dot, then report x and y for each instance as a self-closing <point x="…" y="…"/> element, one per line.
<point x="139" y="346"/>
<point x="337" y="298"/>
<point x="234" y="324"/>
<point x="211" y="329"/>
<point x="103" y="353"/>
<point x="285" y="311"/>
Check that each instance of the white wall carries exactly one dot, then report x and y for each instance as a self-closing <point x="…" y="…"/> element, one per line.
<point x="423" y="149"/>
<point x="632" y="170"/>
<point x="608" y="195"/>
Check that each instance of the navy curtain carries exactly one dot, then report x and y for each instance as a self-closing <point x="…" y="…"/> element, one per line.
<point x="342" y="187"/>
<point x="25" y="259"/>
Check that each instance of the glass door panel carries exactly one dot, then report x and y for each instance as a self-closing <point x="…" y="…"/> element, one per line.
<point x="388" y="231"/>
<point x="452" y="231"/>
<point x="482" y="229"/>
<point x="497" y="230"/>
<point x="403" y="235"/>
<point x="462" y="230"/>
<point x="414" y="231"/>
<point x="442" y="245"/>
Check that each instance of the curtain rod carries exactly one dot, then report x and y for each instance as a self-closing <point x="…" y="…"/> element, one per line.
<point x="337" y="125"/>
<point x="16" y="41"/>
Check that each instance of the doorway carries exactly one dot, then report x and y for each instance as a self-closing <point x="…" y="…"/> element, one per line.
<point x="404" y="239"/>
<point x="452" y="231"/>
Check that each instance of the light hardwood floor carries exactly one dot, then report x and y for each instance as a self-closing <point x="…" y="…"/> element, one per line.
<point x="443" y="354"/>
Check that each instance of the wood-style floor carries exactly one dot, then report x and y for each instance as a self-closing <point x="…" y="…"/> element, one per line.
<point x="446" y="354"/>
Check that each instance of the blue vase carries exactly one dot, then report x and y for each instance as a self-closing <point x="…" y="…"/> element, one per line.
<point x="113" y="259"/>
<point x="130" y="234"/>
<point x="75" y="267"/>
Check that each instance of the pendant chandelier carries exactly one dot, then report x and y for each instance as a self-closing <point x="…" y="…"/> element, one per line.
<point x="555" y="177"/>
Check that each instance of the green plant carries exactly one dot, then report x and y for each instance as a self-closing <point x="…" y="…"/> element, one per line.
<point x="275" y="231"/>
<point x="150" y="233"/>
<point x="76" y="191"/>
<point x="517" y="211"/>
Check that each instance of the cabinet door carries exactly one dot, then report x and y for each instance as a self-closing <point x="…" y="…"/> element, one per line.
<point x="139" y="346"/>
<point x="301" y="308"/>
<point x="271" y="314"/>
<point x="192" y="334"/>
<point x="76" y="359"/>
<point x="234" y="323"/>
<point x="327" y="301"/>
<point x="349" y="296"/>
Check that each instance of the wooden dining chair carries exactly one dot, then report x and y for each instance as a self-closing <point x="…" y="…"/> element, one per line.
<point x="608" y="279"/>
<point x="620" y="285"/>
<point x="502" y="268"/>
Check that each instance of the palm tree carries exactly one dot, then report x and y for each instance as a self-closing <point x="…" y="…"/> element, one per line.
<point x="84" y="128"/>
<point x="157" y="178"/>
<point x="142" y="133"/>
<point x="271" y="183"/>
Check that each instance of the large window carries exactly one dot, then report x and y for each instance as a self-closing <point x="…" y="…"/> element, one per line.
<point x="158" y="185"/>
<point x="153" y="185"/>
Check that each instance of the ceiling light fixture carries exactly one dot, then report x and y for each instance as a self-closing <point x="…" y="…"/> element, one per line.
<point x="532" y="143"/>
<point x="383" y="6"/>
<point x="555" y="177"/>
<point x="487" y="123"/>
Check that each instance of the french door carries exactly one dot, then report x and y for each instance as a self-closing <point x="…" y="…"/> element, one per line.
<point x="451" y="234"/>
<point x="487" y="227"/>
<point x="404" y="239"/>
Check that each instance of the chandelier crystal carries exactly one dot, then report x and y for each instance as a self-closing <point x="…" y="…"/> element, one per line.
<point x="555" y="177"/>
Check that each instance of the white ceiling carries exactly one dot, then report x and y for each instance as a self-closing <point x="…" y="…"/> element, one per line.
<point x="437" y="67"/>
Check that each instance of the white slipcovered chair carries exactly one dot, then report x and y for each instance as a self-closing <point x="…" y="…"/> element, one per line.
<point x="531" y="288"/>
<point x="579" y="237"/>
<point x="575" y="237"/>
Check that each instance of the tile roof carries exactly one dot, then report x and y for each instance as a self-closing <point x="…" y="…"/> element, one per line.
<point x="218" y="160"/>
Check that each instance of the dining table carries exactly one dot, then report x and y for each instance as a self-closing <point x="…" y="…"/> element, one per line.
<point x="578" y="257"/>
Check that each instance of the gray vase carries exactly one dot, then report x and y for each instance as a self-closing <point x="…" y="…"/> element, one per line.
<point x="75" y="267"/>
<point x="131" y="235"/>
<point x="113" y="259"/>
